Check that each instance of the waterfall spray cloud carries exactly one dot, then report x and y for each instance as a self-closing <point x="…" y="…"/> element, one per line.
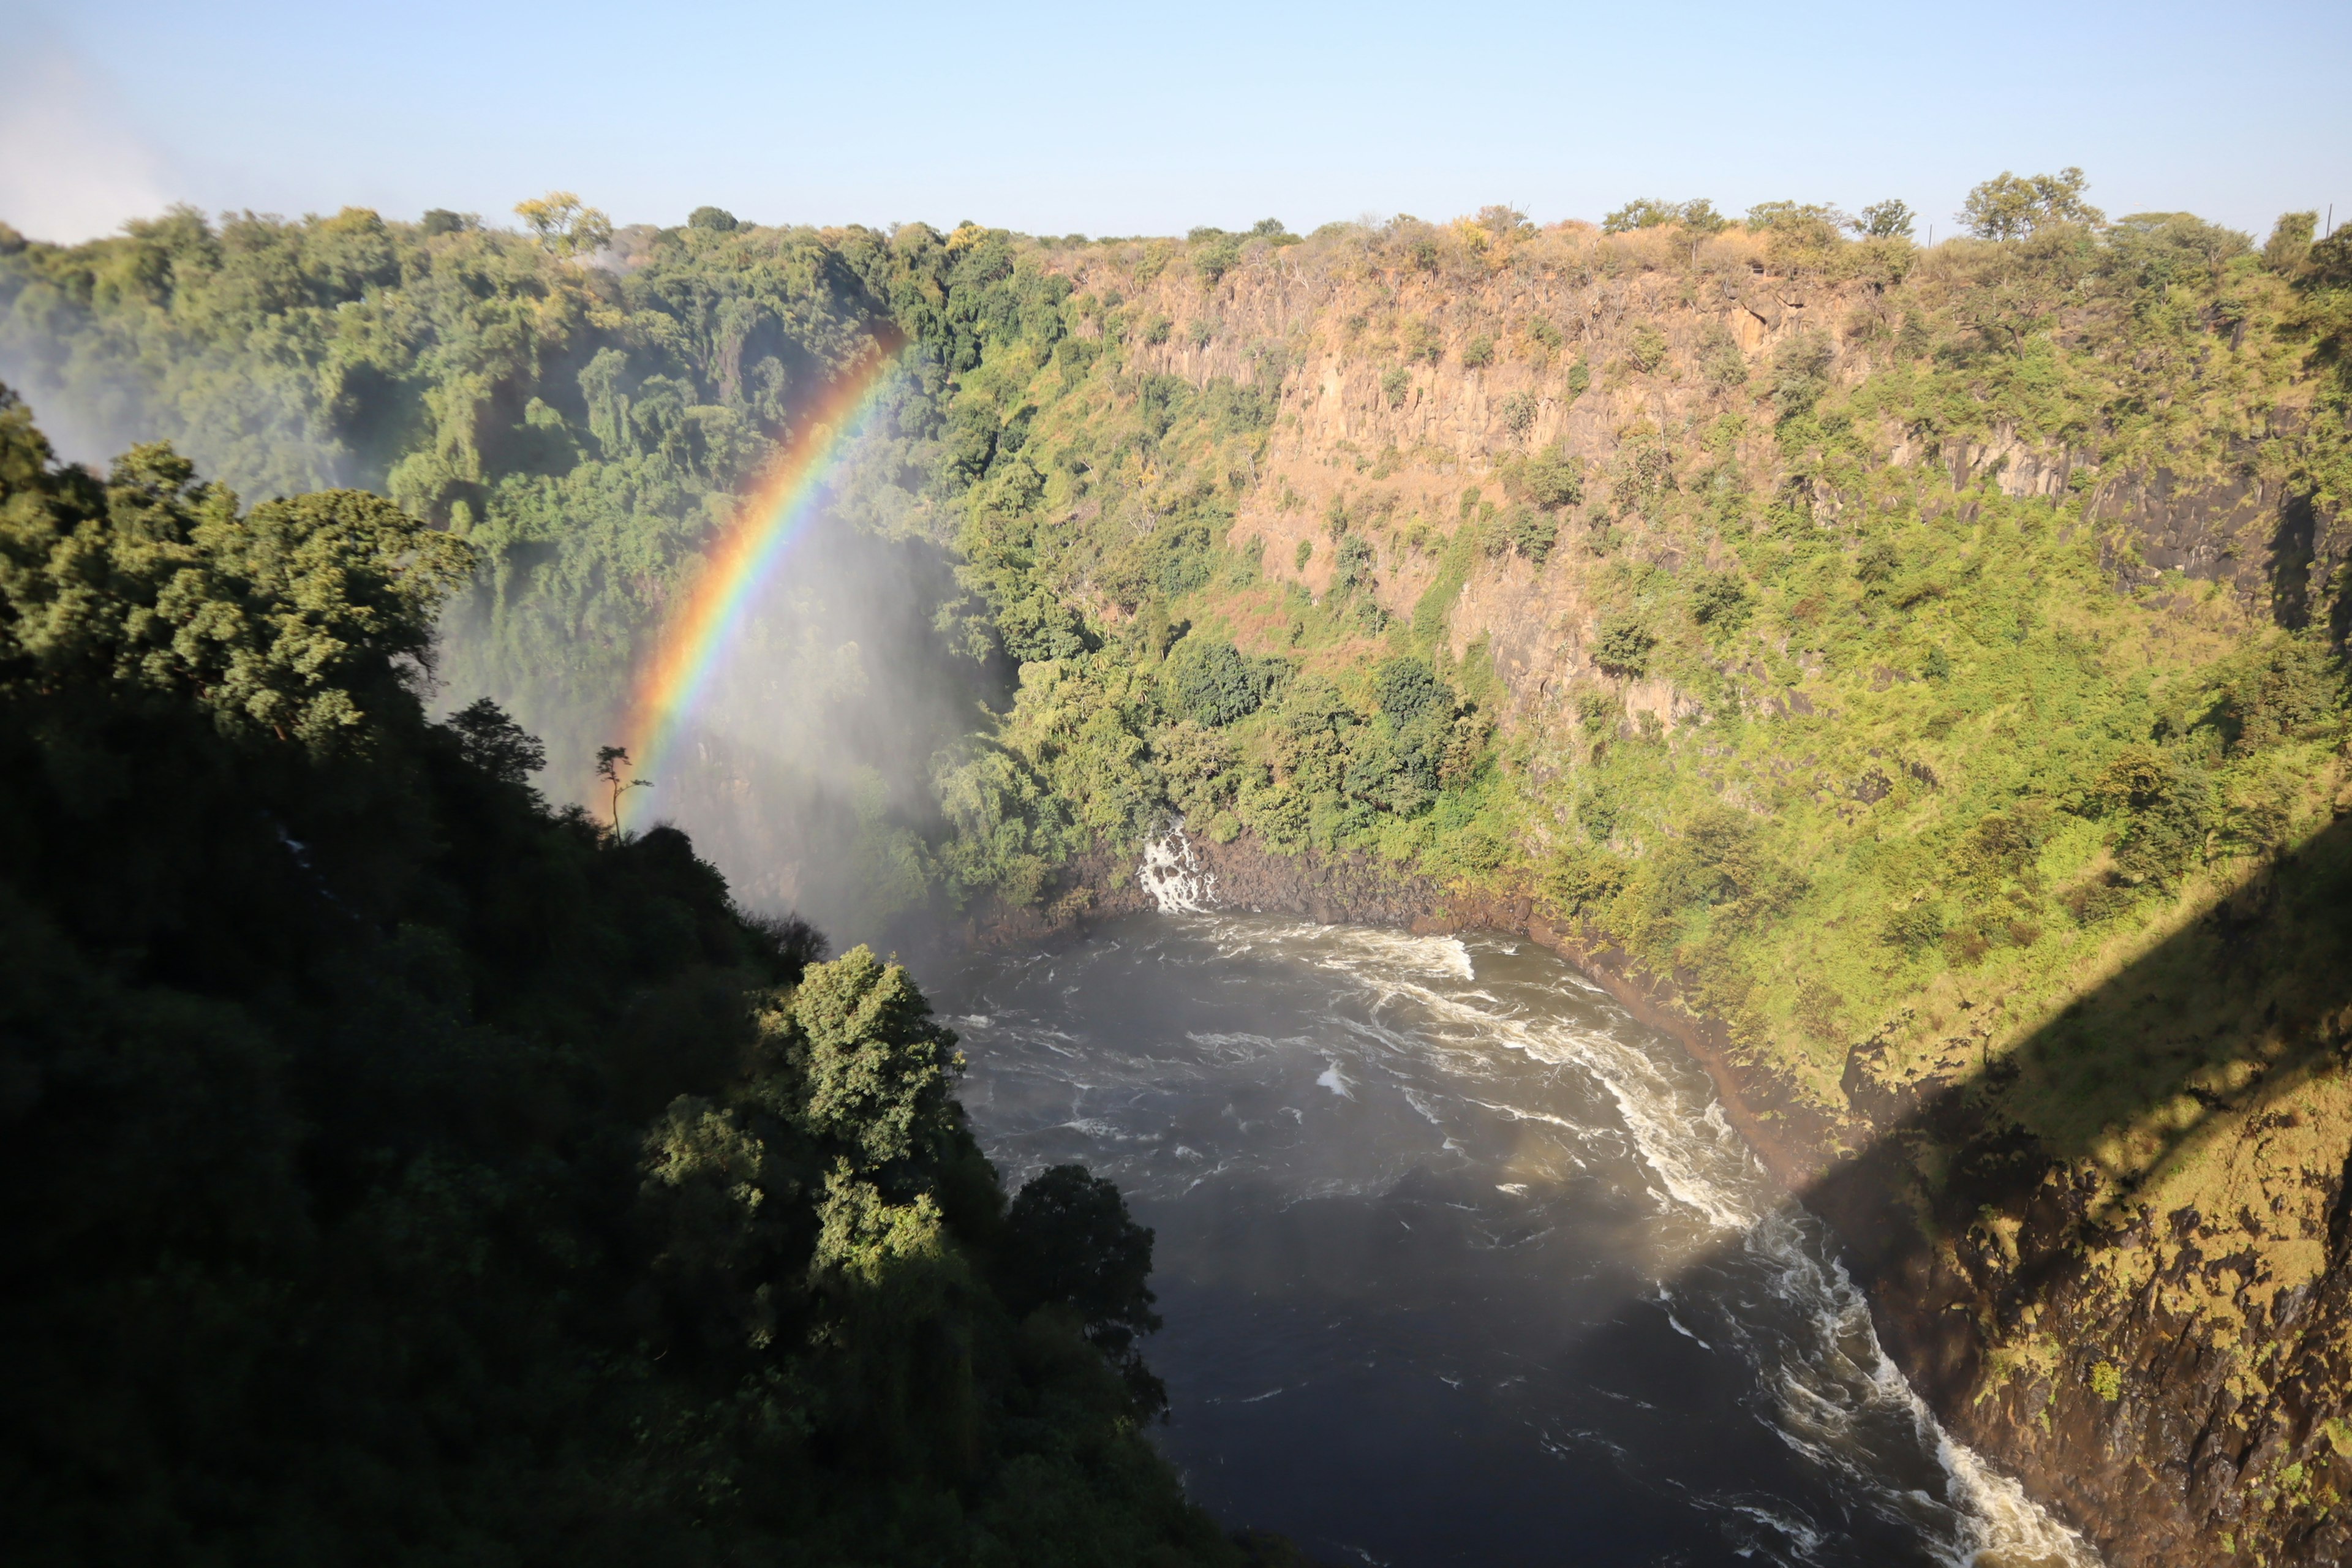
<point x="694" y="641"/>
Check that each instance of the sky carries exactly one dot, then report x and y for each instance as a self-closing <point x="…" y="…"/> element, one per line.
<point x="1100" y="119"/>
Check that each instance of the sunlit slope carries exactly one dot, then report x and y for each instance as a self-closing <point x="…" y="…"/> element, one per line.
<point x="1891" y="647"/>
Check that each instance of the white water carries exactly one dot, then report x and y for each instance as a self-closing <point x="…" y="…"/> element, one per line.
<point x="1705" y="1166"/>
<point x="1172" y="876"/>
<point x="1208" y="1065"/>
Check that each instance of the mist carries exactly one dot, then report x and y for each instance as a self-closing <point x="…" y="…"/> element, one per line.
<point x="804" y="771"/>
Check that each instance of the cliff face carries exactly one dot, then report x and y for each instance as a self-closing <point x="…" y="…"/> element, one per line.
<point x="2100" y="1192"/>
<point x="2156" y="1342"/>
<point x="2150" y="1320"/>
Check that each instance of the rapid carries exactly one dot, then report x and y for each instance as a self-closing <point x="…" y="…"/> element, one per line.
<point x="1460" y="1263"/>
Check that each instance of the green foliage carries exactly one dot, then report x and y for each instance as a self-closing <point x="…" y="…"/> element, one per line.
<point x="1352" y="571"/>
<point x="1215" y="683"/>
<point x="1519" y="413"/>
<point x="1479" y="352"/>
<point x="1624" y="646"/>
<point x="1698" y="216"/>
<point x="1719" y="601"/>
<point x="1889" y="220"/>
<point x="527" y="1201"/>
<point x="2009" y="207"/>
<point x="2165" y="803"/>
<point x="495" y="744"/>
<point x="1552" y="478"/>
<point x="1800" y="371"/>
<point x="1646" y="350"/>
<point x="293" y="619"/>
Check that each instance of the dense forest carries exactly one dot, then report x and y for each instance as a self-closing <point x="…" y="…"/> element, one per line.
<point x="1888" y="645"/>
<point x="401" y="1170"/>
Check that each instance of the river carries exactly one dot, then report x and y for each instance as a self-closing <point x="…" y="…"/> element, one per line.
<point x="1461" y="1264"/>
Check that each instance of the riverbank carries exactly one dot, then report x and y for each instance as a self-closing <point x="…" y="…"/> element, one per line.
<point x="2125" y="1421"/>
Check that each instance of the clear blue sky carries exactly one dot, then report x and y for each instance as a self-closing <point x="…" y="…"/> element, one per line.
<point x="1056" y="117"/>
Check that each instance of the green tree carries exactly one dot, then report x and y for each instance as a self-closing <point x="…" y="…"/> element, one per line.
<point x="2009" y="207"/>
<point x="564" y="225"/>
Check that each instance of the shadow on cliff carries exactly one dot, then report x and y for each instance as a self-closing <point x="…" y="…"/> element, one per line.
<point x="2201" y="1038"/>
<point x="1978" y="1209"/>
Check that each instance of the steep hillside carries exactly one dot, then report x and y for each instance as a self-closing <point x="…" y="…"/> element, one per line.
<point x="1918" y="671"/>
<point x="1898" y="655"/>
<point x="398" y="1171"/>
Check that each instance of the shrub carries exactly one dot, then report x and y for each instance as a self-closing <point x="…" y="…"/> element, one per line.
<point x="2166" y="803"/>
<point x="2278" y="691"/>
<point x="1719" y="599"/>
<point x="1407" y="689"/>
<point x="1889" y="220"/>
<point x="1532" y="533"/>
<point x="1915" y="928"/>
<point x="1216" y="683"/>
<point x="1353" y="570"/>
<point x="1801" y="371"/>
<point x="1647" y="350"/>
<point x="1551" y="479"/>
<point x="1479" y="352"/>
<point x="1720" y="361"/>
<point x="1216" y="258"/>
<point x="1518" y="413"/>
<point x="1584" y="878"/>
<point x="1624" y="646"/>
<point x="1304" y="553"/>
<point x="1396" y="386"/>
<point x="1643" y="212"/>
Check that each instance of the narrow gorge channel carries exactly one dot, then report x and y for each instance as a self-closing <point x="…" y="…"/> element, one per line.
<point x="1460" y="1262"/>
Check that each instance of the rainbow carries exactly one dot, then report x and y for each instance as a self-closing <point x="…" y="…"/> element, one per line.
<point x="696" y="634"/>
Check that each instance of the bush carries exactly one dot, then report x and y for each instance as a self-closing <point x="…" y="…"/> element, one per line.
<point x="1532" y="533"/>
<point x="1479" y="352"/>
<point x="1518" y="413"/>
<point x="1216" y="683"/>
<point x="1353" y="570"/>
<point x="1408" y="689"/>
<point x="1719" y="599"/>
<point x="1720" y="359"/>
<point x="2008" y="207"/>
<point x="1396" y="386"/>
<point x="2166" y="804"/>
<point x="1647" y="350"/>
<point x="2280" y="692"/>
<point x="1552" y="478"/>
<point x="1801" y="371"/>
<point x="1625" y="646"/>
<point x="1914" y="928"/>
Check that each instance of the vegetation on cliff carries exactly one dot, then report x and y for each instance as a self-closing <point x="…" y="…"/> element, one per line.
<point x="398" y="1170"/>
<point x="1899" y="647"/>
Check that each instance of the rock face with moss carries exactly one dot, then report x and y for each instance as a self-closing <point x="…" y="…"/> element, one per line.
<point x="1916" y="671"/>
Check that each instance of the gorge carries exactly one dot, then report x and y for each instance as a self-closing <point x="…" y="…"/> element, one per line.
<point x="1908" y="676"/>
